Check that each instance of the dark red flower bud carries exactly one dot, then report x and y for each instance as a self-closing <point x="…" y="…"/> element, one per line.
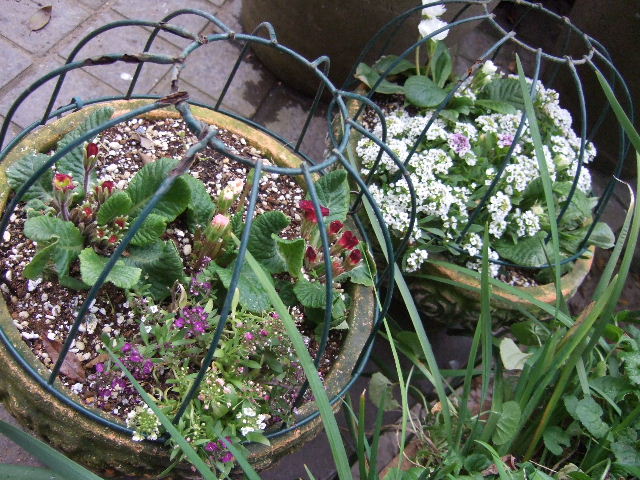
<point x="92" y="150"/>
<point x="108" y="185"/>
<point x="355" y="256"/>
<point x="113" y="239"/>
<point x="311" y="254"/>
<point x="88" y="211"/>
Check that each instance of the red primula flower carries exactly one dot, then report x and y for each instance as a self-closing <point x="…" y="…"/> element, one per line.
<point x="113" y="239"/>
<point x="348" y="240"/>
<point x="310" y="212"/>
<point x="63" y="182"/>
<point x="335" y="227"/>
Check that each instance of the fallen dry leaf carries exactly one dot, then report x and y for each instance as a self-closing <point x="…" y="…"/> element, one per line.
<point x="144" y="140"/>
<point x="40" y="19"/>
<point x="103" y="357"/>
<point x="71" y="366"/>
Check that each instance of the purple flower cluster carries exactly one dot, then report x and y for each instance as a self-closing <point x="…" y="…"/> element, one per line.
<point x="140" y="367"/>
<point x="459" y="143"/>
<point x="194" y="319"/>
<point x="220" y="450"/>
<point x="199" y="288"/>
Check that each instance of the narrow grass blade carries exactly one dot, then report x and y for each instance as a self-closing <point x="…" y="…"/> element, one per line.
<point x="605" y="278"/>
<point x="360" y="446"/>
<point x="309" y="474"/>
<point x="20" y="472"/>
<point x="375" y="441"/>
<point x="322" y="401"/>
<point x="187" y="449"/>
<point x="622" y="117"/>
<point x="56" y="461"/>
<point x="544" y="175"/>
<point x="502" y="472"/>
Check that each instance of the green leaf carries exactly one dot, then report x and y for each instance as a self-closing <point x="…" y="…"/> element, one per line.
<point x="59" y="241"/>
<point x="19" y="172"/>
<point x="144" y="256"/>
<point x="381" y="388"/>
<point x="613" y="387"/>
<point x="64" y="467"/>
<point x="422" y="92"/>
<point x="476" y="462"/>
<point x="262" y="244"/>
<point x="253" y="296"/>
<point x="602" y="236"/>
<point x="92" y="264"/>
<point x="333" y="193"/>
<point x="200" y="208"/>
<point x="632" y="366"/>
<point x="497" y="106"/>
<point x="73" y="162"/>
<point x="507" y="425"/>
<point x="150" y="231"/>
<point x="571" y="404"/>
<point x="512" y="357"/>
<point x="555" y="438"/>
<point x="148" y="179"/>
<point x="369" y="77"/>
<point x="529" y="251"/>
<point x="505" y="90"/>
<point x="625" y="450"/>
<point x="442" y="64"/>
<point x="311" y="294"/>
<point x="292" y="251"/>
<point x="20" y="472"/>
<point x="589" y="414"/>
<point x="386" y="61"/>
<point x="117" y="205"/>
<point x="161" y="275"/>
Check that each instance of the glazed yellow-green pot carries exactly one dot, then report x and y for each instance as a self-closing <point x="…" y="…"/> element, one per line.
<point x="100" y="447"/>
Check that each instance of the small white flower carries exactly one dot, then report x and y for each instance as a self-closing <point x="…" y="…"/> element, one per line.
<point x="427" y="26"/>
<point x="433" y="11"/>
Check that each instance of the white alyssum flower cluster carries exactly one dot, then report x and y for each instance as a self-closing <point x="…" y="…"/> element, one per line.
<point x="456" y="161"/>
<point x="144" y="422"/>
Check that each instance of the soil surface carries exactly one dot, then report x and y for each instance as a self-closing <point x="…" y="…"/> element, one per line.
<point x="44" y="310"/>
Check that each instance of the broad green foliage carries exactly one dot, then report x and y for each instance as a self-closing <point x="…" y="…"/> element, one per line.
<point x="92" y="264"/>
<point x="21" y="171"/>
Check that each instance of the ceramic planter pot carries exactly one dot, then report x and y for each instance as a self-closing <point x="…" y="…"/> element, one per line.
<point x="100" y="447"/>
<point x="458" y="308"/>
<point x="336" y="28"/>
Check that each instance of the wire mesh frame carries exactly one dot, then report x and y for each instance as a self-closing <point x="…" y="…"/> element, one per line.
<point x="206" y="135"/>
<point x="595" y="57"/>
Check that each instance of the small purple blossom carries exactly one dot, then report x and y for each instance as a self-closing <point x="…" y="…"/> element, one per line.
<point x="249" y="336"/>
<point x="459" y="143"/>
<point x="193" y="318"/>
<point x="147" y="367"/>
<point x="264" y="333"/>
<point x="99" y="367"/>
<point x="275" y="315"/>
<point x="126" y="347"/>
<point x="228" y="457"/>
<point x="118" y="383"/>
<point x="505" y="140"/>
<point x="211" y="447"/>
<point x="135" y="356"/>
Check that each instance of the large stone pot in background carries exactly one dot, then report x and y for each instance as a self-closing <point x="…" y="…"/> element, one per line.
<point x="96" y="445"/>
<point x="338" y="29"/>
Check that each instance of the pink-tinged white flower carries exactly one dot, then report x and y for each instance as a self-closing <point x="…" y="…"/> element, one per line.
<point x="505" y="140"/>
<point x="459" y="143"/>
<point x="220" y="221"/>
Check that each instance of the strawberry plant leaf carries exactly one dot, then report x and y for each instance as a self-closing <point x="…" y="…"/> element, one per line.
<point x="117" y="205"/>
<point x="22" y="170"/>
<point x="150" y="231"/>
<point x="333" y="193"/>
<point x="92" y="264"/>
<point x="262" y="243"/>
